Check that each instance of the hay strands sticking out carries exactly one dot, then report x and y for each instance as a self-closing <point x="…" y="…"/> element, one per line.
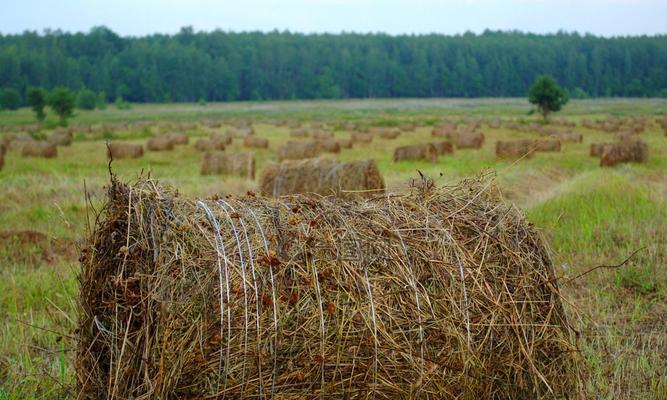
<point x="434" y="293"/>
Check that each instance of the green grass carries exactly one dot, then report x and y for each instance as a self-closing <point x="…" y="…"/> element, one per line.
<point x="590" y="216"/>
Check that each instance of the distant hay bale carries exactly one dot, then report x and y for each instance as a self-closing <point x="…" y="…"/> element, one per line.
<point x="547" y="145"/>
<point x="598" y="148"/>
<point x="389" y="133"/>
<point x="222" y="163"/>
<point x="256" y="142"/>
<point x="444" y="131"/>
<point x="443" y="147"/>
<point x="329" y="145"/>
<point x="408" y="127"/>
<point x="416" y="152"/>
<point x="439" y="293"/>
<point x="39" y="149"/>
<point x="635" y="151"/>
<point x="319" y="134"/>
<point x="297" y="150"/>
<point x="568" y="137"/>
<point x="16" y="142"/>
<point x="515" y="149"/>
<point x="118" y="151"/>
<point x="361" y="137"/>
<point x="322" y="176"/>
<point x="204" y="144"/>
<point x="469" y="140"/>
<point x="221" y="139"/>
<point x="624" y="136"/>
<point x="345" y="143"/>
<point x="160" y="143"/>
<point x="299" y="132"/>
<point x="178" y="138"/>
<point x="61" y="138"/>
<point x="240" y="132"/>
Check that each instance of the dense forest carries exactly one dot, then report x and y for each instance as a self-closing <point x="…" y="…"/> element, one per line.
<point x="222" y="66"/>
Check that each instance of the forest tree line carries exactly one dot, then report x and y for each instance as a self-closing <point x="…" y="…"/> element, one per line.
<point x="225" y="66"/>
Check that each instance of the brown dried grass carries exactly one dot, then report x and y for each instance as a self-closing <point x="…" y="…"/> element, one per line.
<point x="439" y="293"/>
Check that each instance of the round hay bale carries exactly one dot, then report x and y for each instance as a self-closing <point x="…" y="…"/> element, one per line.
<point x="178" y="138"/>
<point x="256" y="142"/>
<point x="218" y="138"/>
<point x="204" y="144"/>
<point x="240" y="132"/>
<point x="39" y="149"/>
<point x="322" y="176"/>
<point x="124" y="150"/>
<point x="568" y="137"/>
<point x="416" y="152"/>
<point x="389" y="133"/>
<point x="616" y="153"/>
<point x="345" y="143"/>
<point x="329" y="145"/>
<point x="61" y="138"/>
<point x="298" y="150"/>
<point x="469" y="140"/>
<point x="299" y="132"/>
<point x="160" y="143"/>
<point x="407" y="127"/>
<point x="443" y="147"/>
<point x="442" y="293"/>
<point x="220" y="163"/>
<point x="515" y="149"/>
<point x="547" y="145"/>
<point x="319" y="134"/>
<point x="360" y="137"/>
<point x="598" y="148"/>
<point x="441" y="131"/>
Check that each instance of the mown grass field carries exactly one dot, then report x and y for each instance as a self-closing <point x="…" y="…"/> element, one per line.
<point x="590" y="216"/>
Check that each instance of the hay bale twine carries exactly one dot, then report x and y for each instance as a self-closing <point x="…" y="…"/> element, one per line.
<point x="469" y="140"/>
<point x="256" y="142"/>
<point x="39" y="149"/>
<point x="440" y="293"/>
<point x="416" y="152"/>
<point x="204" y="144"/>
<point x="323" y="176"/>
<point x="221" y="163"/>
<point x="443" y="147"/>
<point x="160" y="143"/>
<point x="515" y="149"/>
<point x="61" y="138"/>
<point x="297" y="150"/>
<point x="124" y="150"/>
<point x="547" y="145"/>
<point x="616" y="153"/>
<point x="598" y="148"/>
<point x="329" y="145"/>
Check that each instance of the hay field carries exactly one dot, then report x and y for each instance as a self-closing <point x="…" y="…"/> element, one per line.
<point x="589" y="216"/>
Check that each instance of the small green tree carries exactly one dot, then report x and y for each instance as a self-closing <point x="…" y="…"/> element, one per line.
<point x="547" y="95"/>
<point x="37" y="101"/>
<point x="101" y="103"/>
<point x="121" y="104"/>
<point x="10" y="99"/>
<point x="86" y="99"/>
<point x="62" y="101"/>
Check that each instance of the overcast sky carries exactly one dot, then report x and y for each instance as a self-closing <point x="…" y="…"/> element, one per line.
<point x="140" y="17"/>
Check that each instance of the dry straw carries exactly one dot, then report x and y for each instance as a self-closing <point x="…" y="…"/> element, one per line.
<point x="439" y="293"/>
<point x="322" y="176"/>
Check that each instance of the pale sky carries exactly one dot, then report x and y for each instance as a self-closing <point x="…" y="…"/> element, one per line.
<point x="140" y="17"/>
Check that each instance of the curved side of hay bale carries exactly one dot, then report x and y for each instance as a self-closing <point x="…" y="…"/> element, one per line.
<point x="160" y="143"/>
<point x="204" y="144"/>
<point x="222" y="163"/>
<point x="61" y="138"/>
<point x="598" y="148"/>
<point x="124" y="150"/>
<point x="469" y="140"/>
<point x="414" y="152"/>
<point x="256" y="142"/>
<point x="322" y="176"/>
<point x="614" y="154"/>
<point x="297" y="150"/>
<point x="547" y="145"/>
<point x="443" y="147"/>
<point x="178" y="138"/>
<point x="361" y="137"/>
<point x="39" y="149"/>
<point x="330" y="145"/>
<point x="515" y="149"/>
<point x="439" y="294"/>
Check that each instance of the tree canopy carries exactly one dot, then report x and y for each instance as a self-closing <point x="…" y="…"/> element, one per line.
<point x="37" y="98"/>
<point x="547" y="96"/>
<point x="62" y="101"/>
<point x="220" y="65"/>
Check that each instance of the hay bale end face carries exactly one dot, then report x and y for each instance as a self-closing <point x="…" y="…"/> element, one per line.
<point x="39" y="149"/>
<point x="124" y="150"/>
<point x="297" y="150"/>
<point x="322" y="176"/>
<point x="614" y="154"/>
<point x="220" y="163"/>
<point x="416" y="152"/>
<point x="303" y="297"/>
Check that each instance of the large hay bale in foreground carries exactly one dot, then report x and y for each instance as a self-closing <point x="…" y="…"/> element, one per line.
<point x="515" y="149"/>
<point x="160" y="143"/>
<point x="322" y="176"/>
<point x="415" y="152"/>
<point x="297" y="150"/>
<point x="240" y="164"/>
<point x="442" y="293"/>
<point x="256" y="142"/>
<point x="39" y="149"/>
<point x="469" y="140"/>
<point x="634" y="151"/>
<point x="124" y="150"/>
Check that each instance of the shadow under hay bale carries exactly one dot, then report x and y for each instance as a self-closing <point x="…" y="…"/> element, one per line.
<point x="616" y="153"/>
<point x="298" y="150"/>
<point x="416" y="152"/>
<point x="443" y="147"/>
<point x="204" y="144"/>
<point x="515" y="149"/>
<point x="322" y="176"/>
<point x="39" y="149"/>
<point x="256" y="142"/>
<point x="160" y="143"/>
<point x="124" y="150"/>
<point x="441" y="293"/>
<point x="469" y="140"/>
<point x="220" y="163"/>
